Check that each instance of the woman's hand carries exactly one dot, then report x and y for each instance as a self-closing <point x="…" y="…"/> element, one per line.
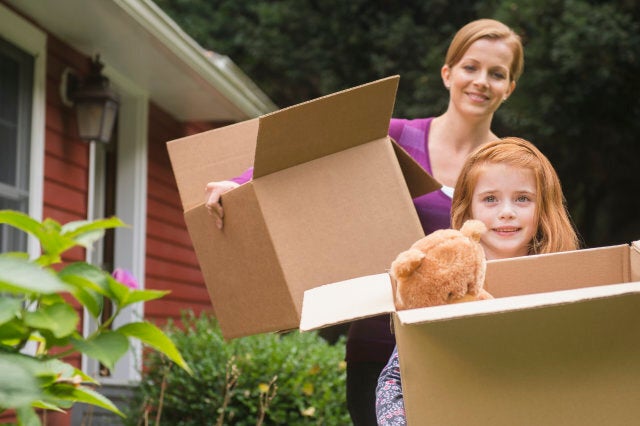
<point x="213" y="192"/>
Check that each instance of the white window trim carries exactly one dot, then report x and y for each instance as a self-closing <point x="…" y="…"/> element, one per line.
<point x="33" y="41"/>
<point x="131" y="208"/>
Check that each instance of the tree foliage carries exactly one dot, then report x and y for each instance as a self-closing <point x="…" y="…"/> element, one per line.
<point x="577" y="100"/>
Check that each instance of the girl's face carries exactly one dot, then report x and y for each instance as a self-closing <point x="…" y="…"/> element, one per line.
<point x="505" y="200"/>
<point x="480" y="81"/>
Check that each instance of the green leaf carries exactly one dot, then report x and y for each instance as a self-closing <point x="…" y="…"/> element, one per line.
<point x="12" y="332"/>
<point x="107" y="347"/>
<point x="21" y="276"/>
<point x="9" y="308"/>
<point x="61" y="319"/>
<point x="90" y="285"/>
<point x="79" y="227"/>
<point x="85" y="233"/>
<point x="53" y="243"/>
<point x="151" y="335"/>
<point x="94" y="302"/>
<point x="47" y="406"/>
<point x="27" y="416"/>
<point x="82" y="274"/>
<point x="23" y="222"/>
<point x="119" y="292"/>
<point x="136" y="296"/>
<point x="65" y="391"/>
<point x="18" y="385"/>
<point x="63" y="371"/>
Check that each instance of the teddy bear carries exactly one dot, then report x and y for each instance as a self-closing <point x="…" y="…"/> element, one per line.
<point x="446" y="266"/>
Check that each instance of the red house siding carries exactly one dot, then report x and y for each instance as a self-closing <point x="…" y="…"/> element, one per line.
<point x="171" y="263"/>
<point x="66" y="155"/>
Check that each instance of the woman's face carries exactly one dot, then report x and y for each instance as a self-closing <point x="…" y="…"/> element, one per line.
<point x="504" y="199"/>
<point x="480" y="81"/>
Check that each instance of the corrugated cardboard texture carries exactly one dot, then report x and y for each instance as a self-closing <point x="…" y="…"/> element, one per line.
<point x="576" y="364"/>
<point x="348" y="300"/>
<point x="214" y="155"/>
<point x="514" y="303"/>
<point x="330" y="220"/>
<point x="324" y="126"/>
<point x="244" y="278"/>
<point x="558" y="271"/>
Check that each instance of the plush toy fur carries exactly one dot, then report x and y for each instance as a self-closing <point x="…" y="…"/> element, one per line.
<point x="446" y="266"/>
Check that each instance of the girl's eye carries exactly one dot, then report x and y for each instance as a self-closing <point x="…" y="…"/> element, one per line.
<point x="490" y="199"/>
<point x="522" y="199"/>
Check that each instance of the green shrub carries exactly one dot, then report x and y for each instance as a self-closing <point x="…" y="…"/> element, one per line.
<point x="33" y="310"/>
<point x="286" y="379"/>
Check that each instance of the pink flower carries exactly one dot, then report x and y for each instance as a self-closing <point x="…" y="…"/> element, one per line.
<point x="125" y="277"/>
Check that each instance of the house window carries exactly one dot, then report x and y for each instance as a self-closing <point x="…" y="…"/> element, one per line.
<point x="16" y="82"/>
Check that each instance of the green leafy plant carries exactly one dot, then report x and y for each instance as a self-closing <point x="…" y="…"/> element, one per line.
<point x="286" y="379"/>
<point x="36" y="305"/>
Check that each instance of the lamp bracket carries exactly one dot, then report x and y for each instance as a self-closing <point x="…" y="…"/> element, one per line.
<point x="69" y="82"/>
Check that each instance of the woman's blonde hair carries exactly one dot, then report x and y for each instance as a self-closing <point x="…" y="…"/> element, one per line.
<point x="555" y="229"/>
<point x="489" y="29"/>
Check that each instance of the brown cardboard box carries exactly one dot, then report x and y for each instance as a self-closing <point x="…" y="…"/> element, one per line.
<point x="330" y="200"/>
<point x="560" y="344"/>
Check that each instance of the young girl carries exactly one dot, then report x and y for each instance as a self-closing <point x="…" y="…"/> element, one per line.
<point x="512" y="187"/>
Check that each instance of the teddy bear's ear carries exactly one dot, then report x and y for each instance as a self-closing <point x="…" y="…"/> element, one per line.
<point x="473" y="229"/>
<point x="406" y="263"/>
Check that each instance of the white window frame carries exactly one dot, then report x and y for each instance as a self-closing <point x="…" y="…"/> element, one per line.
<point x="28" y="38"/>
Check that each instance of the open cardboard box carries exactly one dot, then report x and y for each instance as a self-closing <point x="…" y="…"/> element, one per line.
<point x="328" y="186"/>
<point x="559" y="345"/>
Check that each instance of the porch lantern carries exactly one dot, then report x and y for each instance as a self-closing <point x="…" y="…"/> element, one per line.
<point x="96" y="105"/>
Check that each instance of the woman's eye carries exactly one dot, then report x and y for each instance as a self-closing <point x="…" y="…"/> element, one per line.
<point x="469" y="67"/>
<point x="499" y="75"/>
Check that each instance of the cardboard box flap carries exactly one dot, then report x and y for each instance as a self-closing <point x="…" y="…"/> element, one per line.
<point x="346" y="301"/>
<point x="324" y="126"/>
<point x="514" y="303"/>
<point x="418" y="180"/>
<point x="558" y="271"/>
<point x="209" y="156"/>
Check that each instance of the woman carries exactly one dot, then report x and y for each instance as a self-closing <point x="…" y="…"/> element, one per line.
<point x="482" y="65"/>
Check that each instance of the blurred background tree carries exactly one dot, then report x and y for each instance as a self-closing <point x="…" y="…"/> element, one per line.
<point x="578" y="100"/>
